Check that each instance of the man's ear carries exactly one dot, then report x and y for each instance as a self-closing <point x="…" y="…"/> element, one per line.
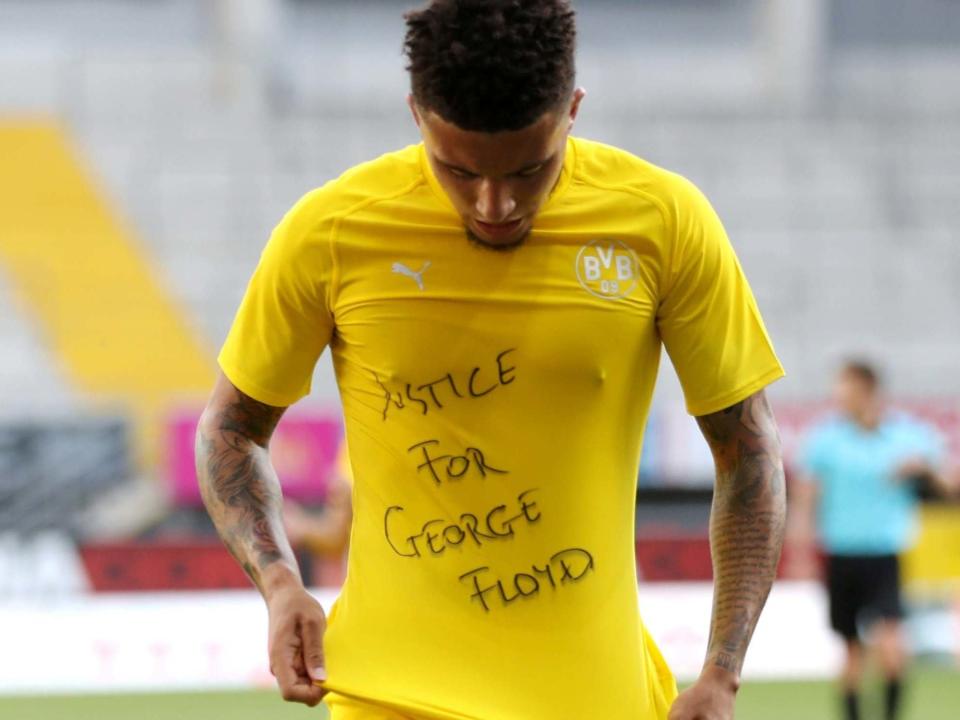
<point x="578" y="95"/>
<point x="412" y="104"/>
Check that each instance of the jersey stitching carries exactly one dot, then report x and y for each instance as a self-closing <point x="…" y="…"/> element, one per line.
<point x="653" y="200"/>
<point x="338" y="219"/>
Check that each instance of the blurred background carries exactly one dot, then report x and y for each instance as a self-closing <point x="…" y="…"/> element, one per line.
<point x="147" y="147"/>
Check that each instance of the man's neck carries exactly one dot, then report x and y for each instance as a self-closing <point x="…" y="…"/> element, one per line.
<point x="869" y="417"/>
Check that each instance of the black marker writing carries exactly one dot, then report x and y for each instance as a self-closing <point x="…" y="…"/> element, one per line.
<point x="451" y="467"/>
<point x="505" y="374"/>
<point x="436" y="535"/>
<point x="430" y="387"/>
<point x="567" y="566"/>
<point x="432" y="395"/>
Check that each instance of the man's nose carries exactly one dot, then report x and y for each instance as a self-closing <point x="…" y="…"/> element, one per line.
<point x="495" y="203"/>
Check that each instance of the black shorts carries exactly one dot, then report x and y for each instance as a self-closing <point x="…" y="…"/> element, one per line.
<point x="862" y="588"/>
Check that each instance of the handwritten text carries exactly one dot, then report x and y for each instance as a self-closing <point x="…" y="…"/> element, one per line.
<point x="431" y="395"/>
<point x="451" y="467"/>
<point x="567" y="566"/>
<point x="436" y="535"/>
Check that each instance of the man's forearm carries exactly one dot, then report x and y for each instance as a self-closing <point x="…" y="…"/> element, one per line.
<point x="746" y="524"/>
<point x="940" y="482"/>
<point x="240" y="488"/>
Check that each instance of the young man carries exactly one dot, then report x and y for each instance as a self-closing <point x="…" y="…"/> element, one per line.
<point x="858" y="493"/>
<point x="495" y="300"/>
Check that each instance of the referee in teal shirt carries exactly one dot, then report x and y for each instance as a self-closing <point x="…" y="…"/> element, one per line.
<point x="861" y="470"/>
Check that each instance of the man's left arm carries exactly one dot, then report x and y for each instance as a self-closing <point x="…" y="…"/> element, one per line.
<point x="935" y="478"/>
<point x="747" y="523"/>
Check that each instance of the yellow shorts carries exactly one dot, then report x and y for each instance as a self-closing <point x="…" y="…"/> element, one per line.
<point x="347" y="708"/>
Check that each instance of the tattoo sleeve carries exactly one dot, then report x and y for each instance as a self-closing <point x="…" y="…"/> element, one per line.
<point x="239" y="485"/>
<point x="746" y="523"/>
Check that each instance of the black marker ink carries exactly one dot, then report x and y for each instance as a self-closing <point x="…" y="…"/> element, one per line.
<point x="481" y="462"/>
<point x="428" y="461"/>
<point x="420" y="401"/>
<point x="425" y="532"/>
<point x="473" y="390"/>
<point x="533" y="585"/>
<point x="573" y="558"/>
<point x="475" y="387"/>
<point x="478" y="592"/>
<point x="455" y="466"/>
<point x="504" y="371"/>
<point x="573" y="564"/>
<point x="547" y="571"/>
<point x="453" y="385"/>
<point x="504" y="598"/>
<point x="471" y="523"/>
<point x="458" y="537"/>
<point x="386" y="533"/>
<point x="526" y="507"/>
<point x="506" y="529"/>
<point x="433" y="394"/>
<point x="464" y="466"/>
<point x="388" y="397"/>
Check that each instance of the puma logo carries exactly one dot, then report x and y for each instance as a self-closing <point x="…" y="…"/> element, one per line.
<point x="417" y="276"/>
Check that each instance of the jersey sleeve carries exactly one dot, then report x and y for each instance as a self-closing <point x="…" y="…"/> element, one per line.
<point x="708" y="318"/>
<point x="284" y="321"/>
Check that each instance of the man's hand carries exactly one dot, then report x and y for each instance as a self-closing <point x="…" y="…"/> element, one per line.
<point x="297" y="624"/>
<point x="933" y="479"/>
<point x="913" y="468"/>
<point x="710" y="698"/>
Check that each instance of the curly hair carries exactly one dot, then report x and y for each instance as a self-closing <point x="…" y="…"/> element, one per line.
<point x="491" y="65"/>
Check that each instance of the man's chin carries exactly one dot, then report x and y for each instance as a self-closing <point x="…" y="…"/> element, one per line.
<point x="505" y="245"/>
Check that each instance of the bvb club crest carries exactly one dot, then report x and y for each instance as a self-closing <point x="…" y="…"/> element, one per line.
<point x="607" y="269"/>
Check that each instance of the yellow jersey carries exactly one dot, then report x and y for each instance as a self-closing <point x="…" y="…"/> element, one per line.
<point x="494" y="405"/>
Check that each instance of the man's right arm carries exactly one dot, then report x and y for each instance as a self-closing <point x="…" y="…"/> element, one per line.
<point x="242" y="494"/>
<point x="238" y="483"/>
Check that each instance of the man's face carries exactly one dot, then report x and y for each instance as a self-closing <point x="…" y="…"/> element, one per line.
<point x="498" y="181"/>
<point x="853" y="394"/>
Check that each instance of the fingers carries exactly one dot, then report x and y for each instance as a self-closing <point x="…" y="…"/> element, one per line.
<point x="297" y="624"/>
<point x="304" y="692"/>
<point x="685" y="708"/>
<point x="294" y="686"/>
<point x="311" y="630"/>
<point x="287" y="666"/>
<point x="677" y="712"/>
<point x="695" y="705"/>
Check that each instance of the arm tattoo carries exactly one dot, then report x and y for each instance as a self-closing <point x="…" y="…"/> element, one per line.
<point x="746" y="523"/>
<point x="239" y="486"/>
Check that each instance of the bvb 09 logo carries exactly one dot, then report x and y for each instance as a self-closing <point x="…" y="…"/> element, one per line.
<point x="607" y="269"/>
